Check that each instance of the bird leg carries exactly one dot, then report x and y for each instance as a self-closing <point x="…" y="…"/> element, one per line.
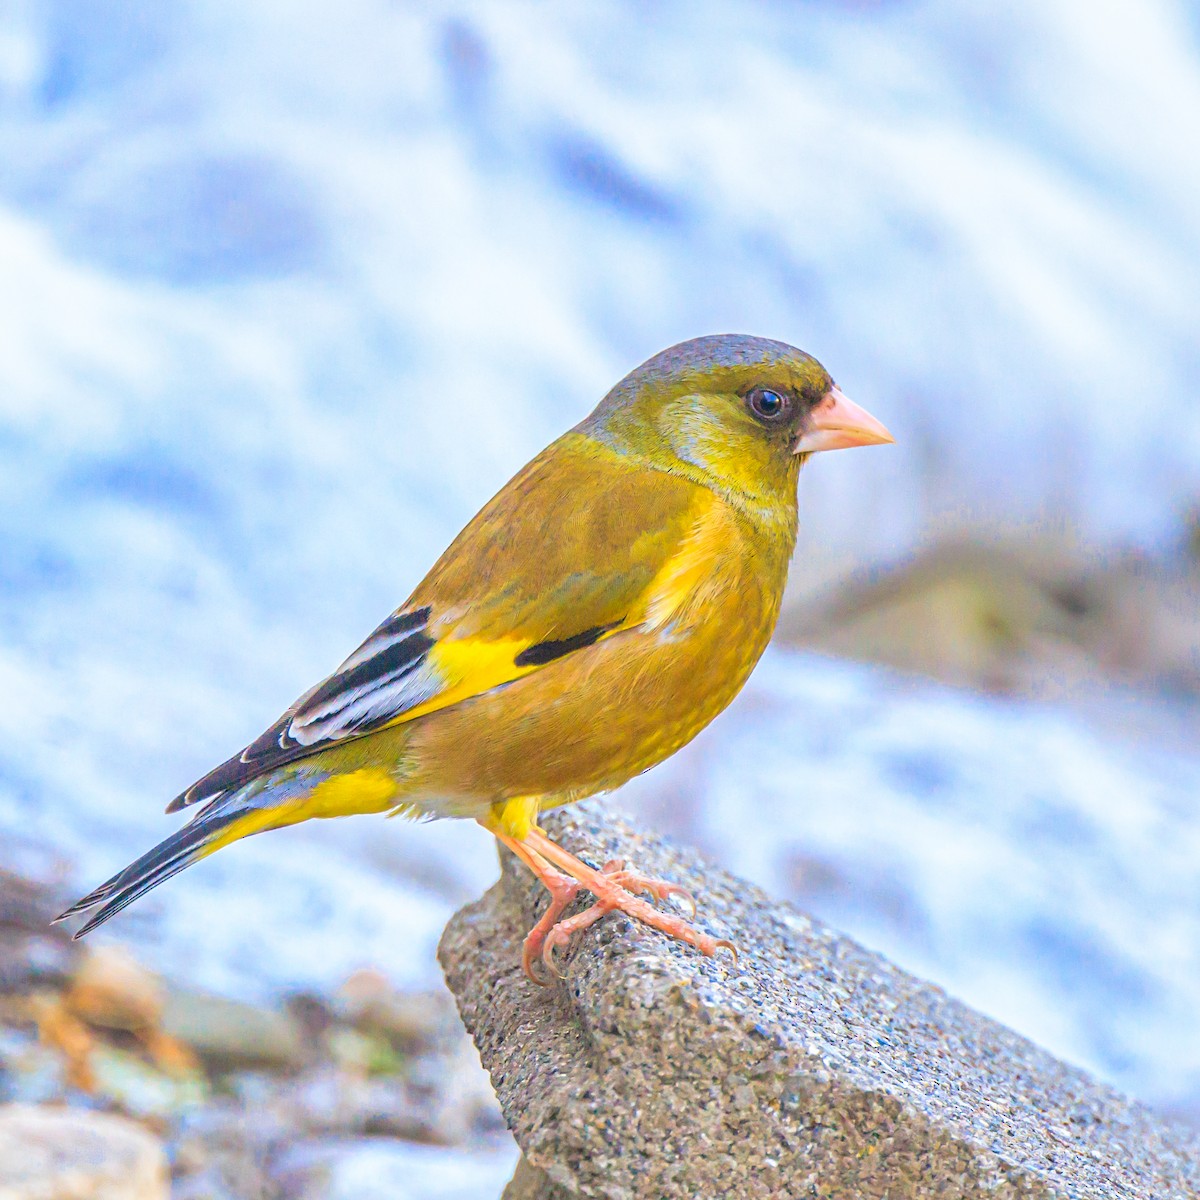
<point x="614" y="886"/>
<point x="562" y="888"/>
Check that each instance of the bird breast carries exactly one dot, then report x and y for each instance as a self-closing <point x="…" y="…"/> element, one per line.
<point x="596" y="718"/>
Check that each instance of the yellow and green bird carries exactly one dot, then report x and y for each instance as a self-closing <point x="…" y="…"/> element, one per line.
<point x="593" y="618"/>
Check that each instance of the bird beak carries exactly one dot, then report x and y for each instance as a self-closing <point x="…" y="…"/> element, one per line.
<point x="838" y="423"/>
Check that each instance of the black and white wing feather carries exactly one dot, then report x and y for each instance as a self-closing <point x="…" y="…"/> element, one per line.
<point x="387" y="675"/>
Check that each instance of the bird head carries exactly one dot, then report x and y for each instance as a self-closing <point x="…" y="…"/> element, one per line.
<point x="740" y="414"/>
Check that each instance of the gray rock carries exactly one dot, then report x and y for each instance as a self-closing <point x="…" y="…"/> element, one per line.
<point x="60" y="1154"/>
<point x="810" y="1068"/>
<point x="226" y="1033"/>
<point x="33" y="953"/>
<point x="532" y="1183"/>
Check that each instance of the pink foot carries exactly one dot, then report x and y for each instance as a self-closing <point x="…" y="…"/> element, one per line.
<point x="636" y="882"/>
<point x="562" y="891"/>
<point x="614" y="889"/>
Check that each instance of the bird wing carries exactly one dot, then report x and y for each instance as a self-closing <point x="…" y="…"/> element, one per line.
<point x="565" y="555"/>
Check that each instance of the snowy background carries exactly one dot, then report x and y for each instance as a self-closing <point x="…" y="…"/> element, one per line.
<point x="287" y="291"/>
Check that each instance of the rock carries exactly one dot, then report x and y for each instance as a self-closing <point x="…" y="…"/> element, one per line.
<point x="112" y="990"/>
<point x="226" y="1033"/>
<point x="139" y="1088"/>
<point x="385" y="1169"/>
<point x="1028" y="620"/>
<point x="531" y="1183"/>
<point x="33" y="953"/>
<point x="810" y="1068"/>
<point x="112" y="996"/>
<point x="60" y="1154"/>
<point x="410" y="1020"/>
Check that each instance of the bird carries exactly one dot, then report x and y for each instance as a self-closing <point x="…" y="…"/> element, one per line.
<point x="588" y="622"/>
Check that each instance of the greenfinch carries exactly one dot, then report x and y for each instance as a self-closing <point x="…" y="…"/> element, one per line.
<point x="598" y="613"/>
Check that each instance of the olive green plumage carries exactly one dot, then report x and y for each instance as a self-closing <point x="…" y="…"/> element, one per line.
<point x="597" y="613"/>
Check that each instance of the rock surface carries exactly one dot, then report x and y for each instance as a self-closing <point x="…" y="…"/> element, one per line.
<point x="532" y="1183"/>
<point x="812" y="1067"/>
<point x="57" y="1154"/>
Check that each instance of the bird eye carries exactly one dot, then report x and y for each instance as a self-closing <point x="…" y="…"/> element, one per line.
<point x="767" y="405"/>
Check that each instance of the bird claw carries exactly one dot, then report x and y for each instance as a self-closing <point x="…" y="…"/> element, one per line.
<point x="658" y="889"/>
<point x="546" y="971"/>
<point x="726" y="944"/>
<point x="538" y="969"/>
<point x="616" y="889"/>
<point x="565" y="930"/>
<point x="562" y="891"/>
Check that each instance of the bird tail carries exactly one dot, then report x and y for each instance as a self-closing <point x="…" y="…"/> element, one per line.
<point x="208" y="831"/>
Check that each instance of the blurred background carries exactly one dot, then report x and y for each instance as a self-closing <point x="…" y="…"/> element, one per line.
<point x="288" y="291"/>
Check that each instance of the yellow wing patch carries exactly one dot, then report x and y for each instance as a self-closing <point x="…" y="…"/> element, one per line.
<point x="468" y="667"/>
<point x="471" y="666"/>
<point x="530" y="580"/>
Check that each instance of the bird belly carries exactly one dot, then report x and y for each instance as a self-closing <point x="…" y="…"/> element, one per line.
<point x="595" y="719"/>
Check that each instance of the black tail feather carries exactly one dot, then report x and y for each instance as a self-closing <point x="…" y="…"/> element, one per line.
<point x="168" y="858"/>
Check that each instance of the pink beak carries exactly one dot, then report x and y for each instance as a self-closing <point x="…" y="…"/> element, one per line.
<point x="838" y="423"/>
